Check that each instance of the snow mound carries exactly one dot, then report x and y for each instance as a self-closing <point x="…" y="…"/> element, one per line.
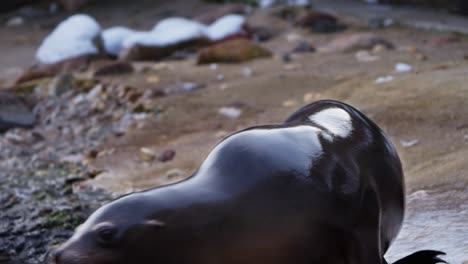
<point x="72" y="38"/>
<point x="226" y="26"/>
<point x="167" y="32"/>
<point x="114" y="37"/>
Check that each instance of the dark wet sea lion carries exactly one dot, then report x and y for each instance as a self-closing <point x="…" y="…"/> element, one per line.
<point x="324" y="187"/>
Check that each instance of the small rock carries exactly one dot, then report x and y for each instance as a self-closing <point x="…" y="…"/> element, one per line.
<point x="214" y="66"/>
<point x="174" y="173"/>
<point x="220" y="77"/>
<point x="79" y="99"/>
<point x="231" y="51"/>
<point x="409" y="143"/>
<point x="420" y="56"/>
<point x="167" y="155"/>
<point x="113" y="68"/>
<point x="230" y="112"/>
<point x="303" y="47"/>
<point x="286" y="58"/>
<point x="365" y="56"/>
<point x="403" y="67"/>
<point x="192" y="87"/>
<point x="379" y="48"/>
<point x="94" y="93"/>
<point x="148" y="154"/>
<point x="247" y="72"/>
<point x="320" y="22"/>
<point x="152" y="79"/>
<point x="354" y="42"/>
<point x="311" y="97"/>
<point x="291" y="67"/>
<point x="261" y="34"/>
<point x="384" y="79"/>
<point x="221" y="134"/>
<point x="421" y="194"/>
<point x="290" y="103"/>
<point x="15" y="21"/>
<point x="293" y="37"/>
<point x="60" y="84"/>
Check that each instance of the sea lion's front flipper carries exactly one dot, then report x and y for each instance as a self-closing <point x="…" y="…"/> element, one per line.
<point x="422" y="257"/>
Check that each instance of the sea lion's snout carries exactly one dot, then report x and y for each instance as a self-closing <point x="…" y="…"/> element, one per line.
<point x="62" y="256"/>
<point x="89" y="245"/>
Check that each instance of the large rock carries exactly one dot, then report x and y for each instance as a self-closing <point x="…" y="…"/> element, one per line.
<point x="231" y="51"/>
<point x="148" y="53"/>
<point x="14" y="113"/>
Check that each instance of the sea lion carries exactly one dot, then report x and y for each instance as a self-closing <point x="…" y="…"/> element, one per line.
<point x="326" y="186"/>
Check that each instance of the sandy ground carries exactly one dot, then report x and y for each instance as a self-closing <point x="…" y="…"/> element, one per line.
<point x="429" y="105"/>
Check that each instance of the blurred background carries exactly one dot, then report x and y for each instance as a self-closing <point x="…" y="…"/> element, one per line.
<point x="102" y="98"/>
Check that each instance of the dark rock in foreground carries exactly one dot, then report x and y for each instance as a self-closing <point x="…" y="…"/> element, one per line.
<point x="14" y="113"/>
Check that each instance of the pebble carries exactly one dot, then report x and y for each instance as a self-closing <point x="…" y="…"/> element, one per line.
<point x="247" y="72"/>
<point x="365" y="56"/>
<point x="379" y="48"/>
<point x="15" y="21"/>
<point x="152" y="79"/>
<point x="311" y="97"/>
<point x="214" y="66"/>
<point x="230" y="112"/>
<point x="167" y="155"/>
<point x="409" y="143"/>
<point x="290" y="103"/>
<point x="192" y="87"/>
<point x="420" y="194"/>
<point x="403" y="68"/>
<point x="384" y="79"/>
<point x="94" y="93"/>
<point x="220" y="77"/>
<point x="174" y="173"/>
<point x="304" y="46"/>
<point x="148" y="154"/>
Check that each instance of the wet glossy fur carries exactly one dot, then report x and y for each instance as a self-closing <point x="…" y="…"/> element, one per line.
<point x="305" y="191"/>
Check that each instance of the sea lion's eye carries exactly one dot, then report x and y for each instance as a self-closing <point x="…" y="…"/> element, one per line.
<point x="105" y="232"/>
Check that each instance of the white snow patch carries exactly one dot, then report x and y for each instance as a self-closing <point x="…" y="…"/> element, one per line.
<point x="226" y="26"/>
<point x="336" y="120"/>
<point x="409" y="143"/>
<point x="230" y="112"/>
<point x="384" y="79"/>
<point x="114" y="37"/>
<point x="403" y="67"/>
<point x="72" y="38"/>
<point x="167" y="32"/>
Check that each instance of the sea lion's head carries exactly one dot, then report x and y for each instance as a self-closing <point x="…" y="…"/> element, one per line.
<point x="115" y="233"/>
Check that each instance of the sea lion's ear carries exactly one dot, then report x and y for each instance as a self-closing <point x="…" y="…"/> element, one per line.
<point x="154" y="223"/>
